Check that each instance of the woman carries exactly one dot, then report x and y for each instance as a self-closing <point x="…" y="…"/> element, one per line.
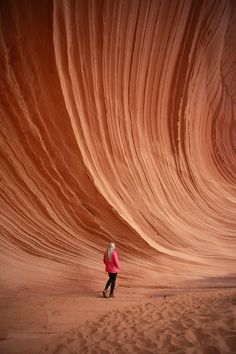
<point x="111" y="261"/>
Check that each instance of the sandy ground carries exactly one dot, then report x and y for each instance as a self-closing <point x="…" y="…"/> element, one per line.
<point x="161" y="322"/>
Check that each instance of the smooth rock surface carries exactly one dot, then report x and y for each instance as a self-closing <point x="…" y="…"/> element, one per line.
<point x="117" y="122"/>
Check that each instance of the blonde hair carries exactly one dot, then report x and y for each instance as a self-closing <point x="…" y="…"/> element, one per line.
<point x="109" y="251"/>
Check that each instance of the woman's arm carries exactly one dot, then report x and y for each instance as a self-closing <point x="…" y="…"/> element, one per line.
<point x="116" y="260"/>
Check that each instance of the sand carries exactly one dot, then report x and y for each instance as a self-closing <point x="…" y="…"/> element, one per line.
<point x="180" y="322"/>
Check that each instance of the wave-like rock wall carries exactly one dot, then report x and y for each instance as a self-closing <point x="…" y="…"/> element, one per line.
<point x="117" y="123"/>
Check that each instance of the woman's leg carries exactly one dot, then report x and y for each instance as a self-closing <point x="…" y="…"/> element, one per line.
<point x="113" y="282"/>
<point x="109" y="281"/>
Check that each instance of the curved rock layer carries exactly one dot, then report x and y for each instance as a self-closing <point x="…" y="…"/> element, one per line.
<point x="117" y="123"/>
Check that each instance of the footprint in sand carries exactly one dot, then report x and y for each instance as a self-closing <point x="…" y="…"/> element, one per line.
<point x="191" y="337"/>
<point x="61" y="349"/>
<point x="210" y="349"/>
<point x="230" y="341"/>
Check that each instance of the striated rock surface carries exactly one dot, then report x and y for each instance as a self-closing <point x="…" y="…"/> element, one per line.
<point x="117" y="123"/>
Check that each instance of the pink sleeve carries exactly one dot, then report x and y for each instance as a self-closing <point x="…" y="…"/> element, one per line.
<point x="116" y="260"/>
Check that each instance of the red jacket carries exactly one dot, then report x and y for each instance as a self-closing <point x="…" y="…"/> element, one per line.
<point x="112" y="266"/>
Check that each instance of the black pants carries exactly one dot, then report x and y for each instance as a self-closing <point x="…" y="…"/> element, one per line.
<point x="111" y="281"/>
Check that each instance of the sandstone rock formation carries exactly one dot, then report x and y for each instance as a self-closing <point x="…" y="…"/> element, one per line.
<point x="117" y="123"/>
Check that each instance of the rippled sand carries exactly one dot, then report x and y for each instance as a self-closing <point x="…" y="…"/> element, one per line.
<point x="186" y="322"/>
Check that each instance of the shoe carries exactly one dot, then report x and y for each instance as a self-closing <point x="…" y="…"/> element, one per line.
<point x="104" y="293"/>
<point x="112" y="296"/>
